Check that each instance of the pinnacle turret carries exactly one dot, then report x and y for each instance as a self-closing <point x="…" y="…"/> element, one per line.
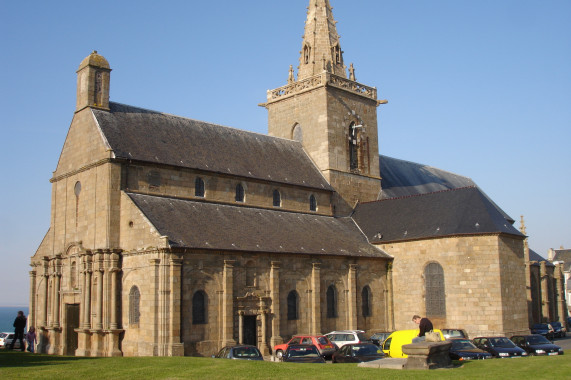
<point x="320" y="50"/>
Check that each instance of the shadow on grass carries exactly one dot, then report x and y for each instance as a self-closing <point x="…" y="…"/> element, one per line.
<point x="10" y="358"/>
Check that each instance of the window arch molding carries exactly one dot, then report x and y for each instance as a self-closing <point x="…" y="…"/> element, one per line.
<point x="312" y="203"/>
<point x="331" y="297"/>
<point x="366" y="301"/>
<point x="292" y="305"/>
<point x="297" y="133"/>
<point x="134" y="305"/>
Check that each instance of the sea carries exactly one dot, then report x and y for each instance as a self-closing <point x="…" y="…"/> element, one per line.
<point x="7" y="316"/>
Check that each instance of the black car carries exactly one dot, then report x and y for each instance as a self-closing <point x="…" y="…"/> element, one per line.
<point x="559" y="331"/>
<point x="537" y="345"/>
<point x="544" y="329"/>
<point x="302" y="353"/>
<point x="499" y="347"/>
<point x="357" y="353"/>
<point x="379" y="337"/>
<point x="242" y="352"/>
<point x="464" y="349"/>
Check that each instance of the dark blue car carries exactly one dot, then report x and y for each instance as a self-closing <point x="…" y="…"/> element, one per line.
<point x="544" y="329"/>
<point x="464" y="349"/>
<point x="537" y="345"/>
<point x="499" y="347"/>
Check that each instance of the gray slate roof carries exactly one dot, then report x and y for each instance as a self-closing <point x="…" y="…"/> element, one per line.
<point x="444" y="213"/>
<point x="202" y="225"/>
<point x="144" y="135"/>
<point x="402" y="178"/>
<point x="565" y="256"/>
<point x="535" y="258"/>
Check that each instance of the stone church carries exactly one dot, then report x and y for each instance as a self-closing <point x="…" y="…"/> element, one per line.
<point x="172" y="236"/>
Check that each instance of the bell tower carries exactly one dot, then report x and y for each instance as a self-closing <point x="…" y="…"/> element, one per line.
<point x="329" y="112"/>
<point x="93" y="77"/>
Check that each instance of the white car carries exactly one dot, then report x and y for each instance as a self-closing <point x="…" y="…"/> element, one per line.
<point x="6" y="339"/>
<point x="341" y="338"/>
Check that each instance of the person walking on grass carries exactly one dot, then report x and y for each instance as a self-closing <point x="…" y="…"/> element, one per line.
<point x="31" y="339"/>
<point x="19" y="326"/>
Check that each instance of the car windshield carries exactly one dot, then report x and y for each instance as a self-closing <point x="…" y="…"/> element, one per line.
<point x="366" y="350"/>
<point x="463" y="344"/>
<point x="3" y="335"/>
<point x="501" y="342"/>
<point x="537" y="339"/>
<point x="246" y="352"/>
<point x="540" y="327"/>
<point x="307" y="352"/>
<point x="454" y="333"/>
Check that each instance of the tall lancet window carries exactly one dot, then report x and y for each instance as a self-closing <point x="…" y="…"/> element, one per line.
<point x="353" y="156"/>
<point x="337" y="53"/>
<point x="435" y="290"/>
<point x="98" y="88"/>
<point x="306" y="54"/>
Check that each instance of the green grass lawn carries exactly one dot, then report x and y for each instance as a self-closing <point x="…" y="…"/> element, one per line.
<point x="17" y="365"/>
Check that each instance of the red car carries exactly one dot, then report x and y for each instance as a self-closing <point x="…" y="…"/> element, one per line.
<point x="324" y="346"/>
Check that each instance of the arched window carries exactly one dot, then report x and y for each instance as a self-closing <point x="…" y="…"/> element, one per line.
<point x="73" y="275"/>
<point x="312" y="203"/>
<point x="239" y="193"/>
<point x="366" y="301"/>
<point x="277" y="199"/>
<point x="337" y="53"/>
<point x="199" y="308"/>
<point x="292" y="302"/>
<point x="250" y="274"/>
<point x="331" y="301"/>
<point x="353" y="157"/>
<point x="306" y="54"/>
<point x="77" y="191"/>
<point x="199" y="187"/>
<point x="435" y="292"/>
<point x="134" y="302"/>
<point x="297" y="133"/>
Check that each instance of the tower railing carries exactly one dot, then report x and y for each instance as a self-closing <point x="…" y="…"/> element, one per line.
<point x="319" y="80"/>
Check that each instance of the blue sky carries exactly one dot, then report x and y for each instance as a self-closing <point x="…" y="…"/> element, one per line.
<point x="479" y="88"/>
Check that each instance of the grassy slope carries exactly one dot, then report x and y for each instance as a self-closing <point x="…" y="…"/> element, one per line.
<point x="23" y="365"/>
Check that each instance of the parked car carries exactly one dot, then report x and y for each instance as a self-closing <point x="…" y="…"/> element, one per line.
<point x="392" y="346"/>
<point x="379" y="337"/>
<point x="6" y="339"/>
<point x="454" y="333"/>
<point x="241" y="352"/>
<point x="325" y="347"/>
<point x="559" y="331"/>
<point x="544" y="329"/>
<point x="302" y="353"/>
<point x="341" y="338"/>
<point x="537" y="345"/>
<point x="464" y="349"/>
<point x="357" y="353"/>
<point x="499" y="347"/>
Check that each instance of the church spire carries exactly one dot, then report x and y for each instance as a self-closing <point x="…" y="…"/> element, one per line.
<point x="320" y="49"/>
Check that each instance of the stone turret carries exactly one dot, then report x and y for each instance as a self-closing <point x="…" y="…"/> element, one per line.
<point x="93" y="77"/>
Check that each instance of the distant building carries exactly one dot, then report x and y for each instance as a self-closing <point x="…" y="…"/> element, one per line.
<point x="562" y="257"/>
<point x="172" y="236"/>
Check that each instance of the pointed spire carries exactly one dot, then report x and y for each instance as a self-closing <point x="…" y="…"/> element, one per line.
<point x="522" y="226"/>
<point x="320" y="49"/>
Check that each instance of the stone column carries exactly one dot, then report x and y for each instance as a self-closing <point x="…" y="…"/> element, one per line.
<point x="83" y="333"/>
<point x="99" y="299"/>
<point x="275" y="307"/>
<point x="545" y="304"/>
<point x="228" y="304"/>
<point x="389" y="298"/>
<point x="263" y="346"/>
<point x="352" y="297"/>
<point x="315" y="327"/>
<point x="43" y="303"/>
<point x="114" y="330"/>
<point x="240" y="327"/>
<point x="32" y="300"/>
<point x="56" y="299"/>
<point x="176" y="346"/>
<point x="560" y="291"/>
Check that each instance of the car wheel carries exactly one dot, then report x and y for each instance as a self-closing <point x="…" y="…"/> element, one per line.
<point x="279" y="354"/>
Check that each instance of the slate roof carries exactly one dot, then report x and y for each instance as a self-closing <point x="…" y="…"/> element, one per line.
<point x="144" y="135"/>
<point x="400" y="178"/>
<point x="565" y="256"/>
<point x="202" y="225"/>
<point x="535" y="259"/>
<point x="445" y="213"/>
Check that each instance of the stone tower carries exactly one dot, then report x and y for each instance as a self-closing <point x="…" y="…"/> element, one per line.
<point x="332" y="115"/>
<point x="93" y="77"/>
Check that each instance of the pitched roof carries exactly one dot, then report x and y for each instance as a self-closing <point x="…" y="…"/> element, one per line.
<point x="565" y="256"/>
<point x="535" y="258"/>
<point x="202" y="225"/>
<point x="402" y="178"/>
<point x="445" y="213"/>
<point x="144" y="135"/>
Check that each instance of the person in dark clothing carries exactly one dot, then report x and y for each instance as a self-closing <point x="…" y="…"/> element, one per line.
<point x="19" y="326"/>
<point x="424" y="326"/>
